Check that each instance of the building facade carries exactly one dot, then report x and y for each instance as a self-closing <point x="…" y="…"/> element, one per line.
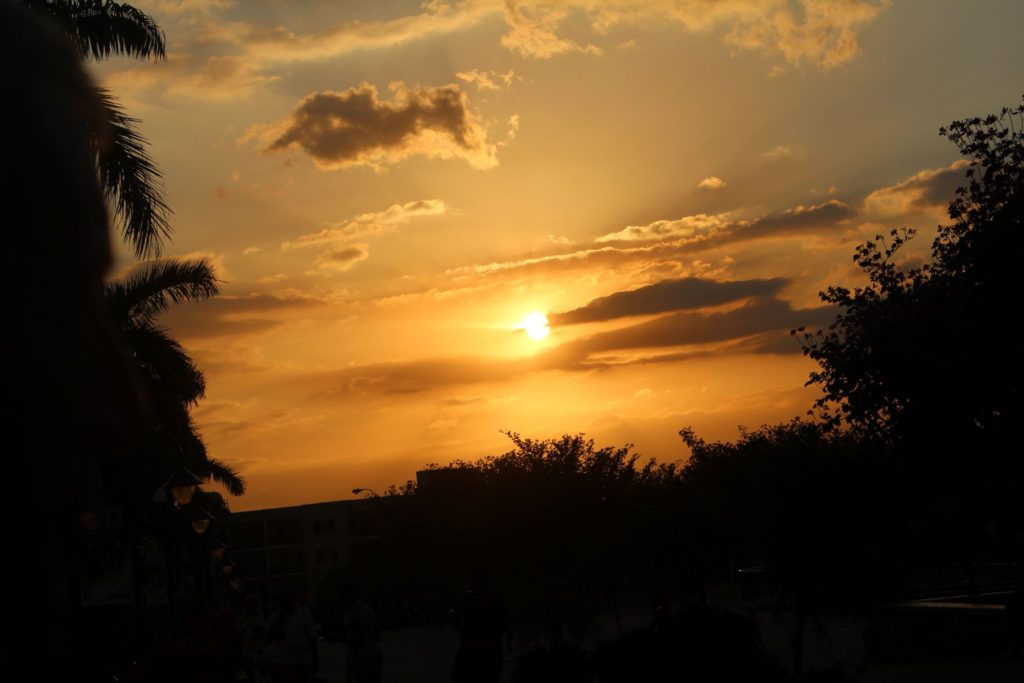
<point x="293" y="548"/>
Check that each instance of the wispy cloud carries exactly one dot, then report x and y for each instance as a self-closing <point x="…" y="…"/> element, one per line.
<point x="225" y="316"/>
<point x="239" y="56"/>
<point x="724" y="227"/>
<point x="370" y="224"/>
<point x="488" y="80"/>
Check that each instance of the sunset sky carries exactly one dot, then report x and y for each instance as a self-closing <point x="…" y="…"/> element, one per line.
<point x="388" y="189"/>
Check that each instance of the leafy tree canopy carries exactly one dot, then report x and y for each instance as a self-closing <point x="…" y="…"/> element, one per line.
<point x="926" y="356"/>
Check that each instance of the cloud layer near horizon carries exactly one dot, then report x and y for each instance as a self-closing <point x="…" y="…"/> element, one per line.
<point x="668" y="295"/>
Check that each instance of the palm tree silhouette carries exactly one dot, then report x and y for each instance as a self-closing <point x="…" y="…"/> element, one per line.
<point x="174" y="382"/>
<point x="130" y="179"/>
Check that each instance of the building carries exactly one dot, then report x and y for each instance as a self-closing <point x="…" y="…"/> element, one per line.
<point x="292" y="548"/>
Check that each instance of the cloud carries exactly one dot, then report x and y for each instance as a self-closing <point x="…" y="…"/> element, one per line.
<point x="760" y="326"/>
<point x="724" y="227"/>
<point x="668" y="295"/>
<point x="822" y="33"/>
<point x="341" y="260"/>
<point x="926" y="190"/>
<point x="686" y="328"/>
<point x="489" y="80"/>
<point x="233" y="315"/>
<point x="711" y="183"/>
<point x="532" y="30"/>
<point x="370" y="224"/>
<point x="780" y="152"/>
<point x="355" y="127"/>
<point x="799" y="219"/>
<point x="173" y="7"/>
<point x="278" y="44"/>
<point x="663" y="242"/>
<point x="410" y="377"/>
<point x="698" y="225"/>
<point x="215" y="78"/>
<point x="216" y="58"/>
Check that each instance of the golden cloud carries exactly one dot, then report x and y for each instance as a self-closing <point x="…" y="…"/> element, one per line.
<point x="926" y="190"/>
<point x="369" y="224"/>
<point x="711" y="183"/>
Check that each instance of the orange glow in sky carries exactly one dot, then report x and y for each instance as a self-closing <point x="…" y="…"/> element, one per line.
<point x="386" y="189"/>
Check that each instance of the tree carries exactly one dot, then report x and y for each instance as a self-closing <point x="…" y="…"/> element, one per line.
<point x="99" y="29"/>
<point x="924" y="356"/>
<point x="173" y="381"/>
<point x="811" y="504"/>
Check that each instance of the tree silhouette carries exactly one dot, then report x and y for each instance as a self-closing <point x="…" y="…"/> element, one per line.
<point x="174" y="382"/>
<point x="792" y="497"/>
<point x="924" y="356"/>
<point x="100" y="29"/>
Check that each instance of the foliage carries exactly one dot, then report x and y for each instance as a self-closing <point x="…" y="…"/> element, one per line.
<point x="100" y="29"/>
<point x="923" y="356"/>
<point x="173" y="380"/>
<point x="793" y="497"/>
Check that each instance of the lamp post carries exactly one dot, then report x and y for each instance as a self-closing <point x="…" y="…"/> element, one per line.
<point x="182" y="487"/>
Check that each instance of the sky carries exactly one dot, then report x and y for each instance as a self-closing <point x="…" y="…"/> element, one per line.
<point x="393" y="193"/>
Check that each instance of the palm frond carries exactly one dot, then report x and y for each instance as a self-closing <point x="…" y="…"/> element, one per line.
<point x="150" y="289"/>
<point x="100" y="28"/>
<point x="226" y="476"/>
<point x="169" y="371"/>
<point x="132" y="181"/>
<point x="207" y="467"/>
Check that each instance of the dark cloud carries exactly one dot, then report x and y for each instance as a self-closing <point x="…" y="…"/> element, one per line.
<point x="669" y="295"/>
<point x="410" y="377"/>
<point x="355" y="126"/>
<point x="232" y="316"/>
<point x="796" y="220"/>
<point x="343" y="258"/>
<point x="689" y="328"/>
<point x="929" y="189"/>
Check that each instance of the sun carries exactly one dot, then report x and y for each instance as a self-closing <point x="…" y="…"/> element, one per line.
<point x="536" y="325"/>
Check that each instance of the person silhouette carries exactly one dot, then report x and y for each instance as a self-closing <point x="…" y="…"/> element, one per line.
<point x="362" y="634"/>
<point x="481" y="619"/>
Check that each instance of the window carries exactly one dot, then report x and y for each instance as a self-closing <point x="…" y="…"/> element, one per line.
<point x="285" y="531"/>
<point x="323" y="526"/>
<point x="251" y="564"/>
<point x="325" y="555"/>
<point x="247" y="535"/>
<point x="288" y="561"/>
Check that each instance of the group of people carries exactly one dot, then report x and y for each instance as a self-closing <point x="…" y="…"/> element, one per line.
<point x="282" y="647"/>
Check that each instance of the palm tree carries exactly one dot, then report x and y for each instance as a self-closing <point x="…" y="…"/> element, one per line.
<point x="100" y="29"/>
<point x="174" y="382"/>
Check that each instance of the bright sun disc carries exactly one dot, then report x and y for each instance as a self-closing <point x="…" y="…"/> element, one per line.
<point x="536" y="326"/>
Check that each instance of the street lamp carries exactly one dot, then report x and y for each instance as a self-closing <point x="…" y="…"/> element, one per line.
<point x="372" y="493"/>
<point x="182" y="487"/>
<point x="218" y="550"/>
<point x="200" y="519"/>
